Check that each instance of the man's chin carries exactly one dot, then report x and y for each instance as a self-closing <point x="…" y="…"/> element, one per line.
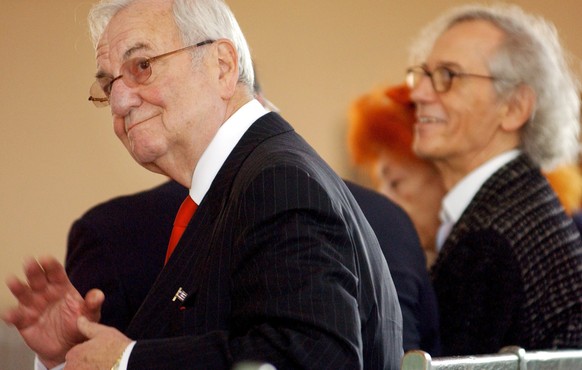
<point x="148" y="165"/>
<point x="422" y="153"/>
<point x="155" y="169"/>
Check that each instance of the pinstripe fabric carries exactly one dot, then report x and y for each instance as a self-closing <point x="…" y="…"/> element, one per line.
<point x="401" y="247"/>
<point x="510" y="272"/>
<point x="279" y="265"/>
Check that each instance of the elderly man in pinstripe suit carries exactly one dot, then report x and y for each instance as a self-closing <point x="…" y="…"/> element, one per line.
<point x="277" y="264"/>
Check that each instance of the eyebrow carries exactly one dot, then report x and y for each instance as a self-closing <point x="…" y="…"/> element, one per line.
<point x="453" y="65"/>
<point x="128" y="53"/>
<point x="100" y="74"/>
<point x="132" y="50"/>
<point x="446" y="64"/>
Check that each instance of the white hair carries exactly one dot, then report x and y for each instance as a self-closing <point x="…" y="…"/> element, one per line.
<point x="197" y="20"/>
<point x="530" y="55"/>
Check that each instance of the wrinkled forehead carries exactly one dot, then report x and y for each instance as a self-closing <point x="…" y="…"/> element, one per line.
<point x="471" y="42"/>
<point x="135" y="29"/>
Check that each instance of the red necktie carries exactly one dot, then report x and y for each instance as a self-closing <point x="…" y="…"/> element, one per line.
<point x="183" y="217"/>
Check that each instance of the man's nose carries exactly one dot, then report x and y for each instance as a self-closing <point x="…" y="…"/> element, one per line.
<point x="424" y="91"/>
<point x="123" y="98"/>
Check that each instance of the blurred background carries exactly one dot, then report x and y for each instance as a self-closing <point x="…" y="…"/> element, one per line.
<point x="60" y="156"/>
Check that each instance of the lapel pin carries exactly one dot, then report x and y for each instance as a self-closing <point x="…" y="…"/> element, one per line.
<point x="180" y="295"/>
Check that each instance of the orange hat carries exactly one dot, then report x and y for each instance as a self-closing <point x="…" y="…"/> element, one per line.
<point x="379" y="121"/>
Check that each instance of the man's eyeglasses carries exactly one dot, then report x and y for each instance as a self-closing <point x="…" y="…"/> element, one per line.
<point x="441" y="78"/>
<point x="134" y="72"/>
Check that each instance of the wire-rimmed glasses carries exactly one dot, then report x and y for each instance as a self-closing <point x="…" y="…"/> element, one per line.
<point x="134" y="72"/>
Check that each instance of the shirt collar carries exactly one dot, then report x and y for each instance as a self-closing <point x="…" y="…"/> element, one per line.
<point x="458" y="198"/>
<point x="226" y="138"/>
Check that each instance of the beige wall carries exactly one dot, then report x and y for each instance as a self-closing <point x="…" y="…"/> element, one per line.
<point x="59" y="155"/>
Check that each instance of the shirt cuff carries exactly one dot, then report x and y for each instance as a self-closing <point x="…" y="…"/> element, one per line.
<point x="39" y="366"/>
<point x="125" y="357"/>
<point x="122" y="362"/>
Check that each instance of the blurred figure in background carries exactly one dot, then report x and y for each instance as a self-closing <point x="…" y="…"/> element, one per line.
<point x="495" y="102"/>
<point x="380" y="140"/>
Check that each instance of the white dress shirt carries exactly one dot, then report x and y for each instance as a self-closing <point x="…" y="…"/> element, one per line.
<point x="458" y="198"/>
<point x="221" y="146"/>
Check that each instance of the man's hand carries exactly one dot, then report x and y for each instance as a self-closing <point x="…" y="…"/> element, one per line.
<point x="102" y="349"/>
<point x="48" y="309"/>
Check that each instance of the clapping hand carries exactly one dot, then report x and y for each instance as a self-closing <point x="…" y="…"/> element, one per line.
<point x="48" y="309"/>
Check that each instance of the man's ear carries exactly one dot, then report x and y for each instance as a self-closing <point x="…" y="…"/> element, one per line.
<point x="520" y="108"/>
<point x="228" y="67"/>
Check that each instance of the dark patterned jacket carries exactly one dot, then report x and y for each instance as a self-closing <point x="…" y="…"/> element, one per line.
<point x="510" y="272"/>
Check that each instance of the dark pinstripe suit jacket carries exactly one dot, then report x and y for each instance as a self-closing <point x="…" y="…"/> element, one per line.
<point x="118" y="246"/>
<point x="510" y="272"/>
<point x="279" y="265"/>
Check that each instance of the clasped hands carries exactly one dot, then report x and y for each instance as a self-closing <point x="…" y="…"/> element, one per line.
<point x="57" y="323"/>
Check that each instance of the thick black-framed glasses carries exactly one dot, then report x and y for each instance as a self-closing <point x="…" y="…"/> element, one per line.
<point x="441" y="77"/>
<point x="134" y="72"/>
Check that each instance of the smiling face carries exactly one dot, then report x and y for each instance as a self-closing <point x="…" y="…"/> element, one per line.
<point x="167" y="122"/>
<point x="462" y="128"/>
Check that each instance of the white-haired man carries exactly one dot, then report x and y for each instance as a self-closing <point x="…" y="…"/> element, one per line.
<point x="495" y="101"/>
<point x="277" y="264"/>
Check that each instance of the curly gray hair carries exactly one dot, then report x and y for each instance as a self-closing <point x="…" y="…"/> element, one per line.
<point x="530" y="55"/>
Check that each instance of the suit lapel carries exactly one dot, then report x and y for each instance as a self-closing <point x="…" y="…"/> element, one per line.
<point x="191" y="254"/>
